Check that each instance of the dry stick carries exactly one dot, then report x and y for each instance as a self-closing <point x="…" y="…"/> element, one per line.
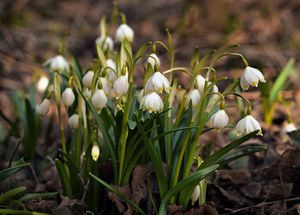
<point x="262" y="204"/>
<point x="15" y="151"/>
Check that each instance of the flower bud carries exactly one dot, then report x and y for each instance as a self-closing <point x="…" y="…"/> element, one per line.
<point x="251" y="76"/>
<point x="105" y="42"/>
<point x="73" y="121"/>
<point x="42" y="84"/>
<point x="219" y="119"/>
<point x="121" y="85"/>
<point x="87" y="79"/>
<point x="195" y="194"/>
<point x="43" y="108"/>
<point x="99" y="99"/>
<point x="152" y="102"/>
<point x="247" y="125"/>
<point x="124" y="32"/>
<point x="57" y="63"/>
<point x="112" y="76"/>
<point x="68" y="97"/>
<point x="95" y="152"/>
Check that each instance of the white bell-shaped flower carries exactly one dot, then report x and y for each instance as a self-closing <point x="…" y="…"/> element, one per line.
<point x="105" y="42"/>
<point x="95" y="152"/>
<point x="247" y="125"/>
<point x="124" y="32"/>
<point x="121" y="85"/>
<point x="73" y="121"/>
<point x="153" y="60"/>
<point x="289" y="127"/>
<point x="99" y="99"/>
<point x="219" y="119"/>
<point x="112" y="75"/>
<point x="58" y="63"/>
<point x="87" y="79"/>
<point x="68" y="97"/>
<point x="193" y="96"/>
<point x="152" y="102"/>
<point x="195" y="195"/>
<point x="252" y="77"/>
<point x="201" y="84"/>
<point x="43" y="108"/>
<point x="42" y="84"/>
<point x="157" y="82"/>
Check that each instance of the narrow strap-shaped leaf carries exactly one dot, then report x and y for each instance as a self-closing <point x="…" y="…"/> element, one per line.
<point x="20" y="212"/>
<point x="281" y="80"/>
<point x="11" y="193"/>
<point x="31" y="196"/>
<point x="119" y="194"/>
<point x="6" y="173"/>
<point x="214" y="158"/>
<point x="64" y="178"/>
<point x="156" y="162"/>
<point x="188" y="181"/>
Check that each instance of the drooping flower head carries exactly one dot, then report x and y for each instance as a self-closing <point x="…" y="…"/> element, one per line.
<point x="252" y="77"/>
<point x="43" y="108"/>
<point x="58" y="64"/>
<point x="247" y="125"/>
<point x="124" y="32"/>
<point x="87" y="79"/>
<point x="68" y="97"/>
<point x="193" y="96"/>
<point x="152" y="102"/>
<point x="157" y="82"/>
<point x="73" y="121"/>
<point x="153" y="60"/>
<point x="219" y="119"/>
<point x="99" y="99"/>
<point x="121" y="85"/>
<point x="105" y="42"/>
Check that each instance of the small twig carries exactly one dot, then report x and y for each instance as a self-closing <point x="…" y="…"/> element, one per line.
<point x="34" y="174"/>
<point x="15" y="151"/>
<point x="85" y="191"/>
<point x="262" y="204"/>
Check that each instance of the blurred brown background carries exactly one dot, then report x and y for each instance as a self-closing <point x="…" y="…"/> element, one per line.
<point x="30" y="30"/>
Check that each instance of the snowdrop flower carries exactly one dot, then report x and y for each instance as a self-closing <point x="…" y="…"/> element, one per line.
<point x="247" y="125"/>
<point x="152" y="102"/>
<point x="251" y="76"/>
<point x="87" y="79"/>
<point x="73" y="121"/>
<point x="219" y="119"/>
<point x="201" y="84"/>
<point x="95" y="152"/>
<point x="153" y="60"/>
<point x="112" y="76"/>
<point x="43" y="108"/>
<point x="195" y="194"/>
<point x="289" y="127"/>
<point x="193" y="96"/>
<point x="99" y="99"/>
<point x="57" y="63"/>
<point x="124" y="32"/>
<point x="157" y="82"/>
<point x="121" y="85"/>
<point x="68" y="97"/>
<point x="42" y="84"/>
<point x="105" y="42"/>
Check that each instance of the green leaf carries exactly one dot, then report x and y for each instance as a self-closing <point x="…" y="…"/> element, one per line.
<point x="20" y="212"/>
<point x="215" y="157"/>
<point x="281" y="80"/>
<point x="64" y="177"/>
<point x="156" y="162"/>
<point x="188" y="181"/>
<point x="6" y="173"/>
<point x="11" y="193"/>
<point x="31" y="196"/>
<point x="119" y="194"/>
